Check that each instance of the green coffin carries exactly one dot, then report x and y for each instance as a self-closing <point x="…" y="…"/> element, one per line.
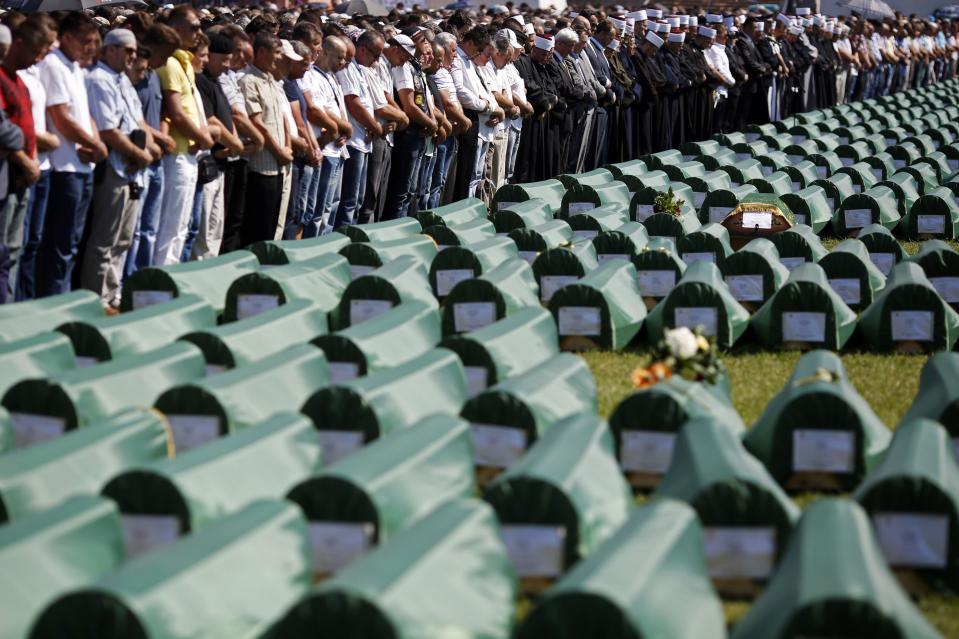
<point x="710" y="243"/>
<point x="753" y="147"/>
<point x="701" y="186"/>
<point x="700" y="298"/>
<point x="909" y="310"/>
<point x="360" y="410"/>
<point x="604" y="218"/>
<point x="595" y="177"/>
<point x="207" y="279"/>
<point x="386" y="231"/>
<point x="922" y="142"/>
<point x="672" y="226"/>
<point x="582" y="198"/>
<point x="719" y="203"/>
<point x="935" y="214"/>
<point x="369" y="256"/>
<point x="797" y="245"/>
<point x="522" y="215"/>
<point x="498" y="293"/>
<point x="712" y="162"/>
<point x="27" y="319"/>
<point x="938" y="396"/>
<point x="139" y="331"/>
<point x="885" y="251"/>
<point x="826" y="163"/>
<point x="401" y="280"/>
<point x="453" y="214"/>
<point x="320" y="281"/>
<point x="458" y="263"/>
<point x="778" y="183"/>
<point x="280" y="252"/>
<point x="743" y="171"/>
<point x="818" y="427"/>
<point x="400" y="334"/>
<point x="657" y="161"/>
<point x="852" y="273"/>
<point x="861" y="175"/>
<point x="838" y="187"/>
<point x="557" y="267"/>
<point x="903" y="155"/>
<point x="684" y="170"/>
<point x="704" y="147"/>
<point x="878" y="205"/>
<point x="882" y="165"/>
<point x="624" y="242"/>
<point x="605" y="306"/>
<point x="406" y="588"/>
<point x="940" y="263"/>
<point x="238" y="399"/>
<point x="549" y="191"/>
<point x="940" y="164"/>
<point x="754" y="273"/>
<point x="833" y="581"/>
<point x="905" y="188"/>
<point x="778" y="160"/>
<point x="232" y="579"/>
<point x="810" y="206"/>
<point x="533" y="240"/>
<point x="43" y="354"/>
<point x="79" y="463"/>
<point x="857" y="151"/>
<point x="780" y="140"/>
<point x="46" y="408"/>
<point x="52" y="552"/>
<point x="925" y="177"/>
<point x="731" y="139"/>
<point x="630" y="167"/>
<point x="643" y="202"/>
<point x="464" y="234"/>
<point x="652" y="180"/>
<point x="658" y="268"/>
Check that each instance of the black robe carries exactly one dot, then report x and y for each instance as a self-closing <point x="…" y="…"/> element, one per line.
<point x="754" y="109"/>
<point x="699" y="106"/>
<point x="649" y="81"/>
<point x="536" y="145"/>
<point x="674" y="115"/>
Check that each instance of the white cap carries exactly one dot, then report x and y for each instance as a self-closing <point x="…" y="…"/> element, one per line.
<point x="684" y="20"/>
<point x="760" y="26"/>
<point x="784" y="20"/>
<point x="543" y="42"/>
<point x="528" y="29"/>
<point x="619" y="24"/>
<point x="676" y="37"/>
<point x="117" y="37"/>
<point x="819" y="21"/>
<point x="405" y="42"/>
<point x="522" y="21"/>
<point x="803" y="11"/>
<point x="288" y="51"/>
<point x="5" y="36"/>
<point x="796" y="31"/>
<point x="510" y="36"/>
<point x="673" y="21"/>
<point x="829" y="28"/>
<point x="653" y="13"/>
<point x="613" y="44"/>
<point x="630" y="25"/>
<point x="637" y="15"/>
<point x="729" y="21"/>
<point x="654" y="39"/>
<point x="706" y="32"/>
<point x="693" y="21"/>
<point x="713" y="17"/>
<point x="733" y="30"/>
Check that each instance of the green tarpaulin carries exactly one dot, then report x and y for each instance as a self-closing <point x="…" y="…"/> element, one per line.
<point x="368" y="256"/>
<point x="658" y="268"/>
<point x="630" y="167"/>
<point x="533" y="240"/>
<point x="280" y="252"/>
<point x="464" y="262"/>
<point x="797" y="245"/>
<point x="905" y="188"/>
<point x="27" y="319"/>
<point x="453" y="214"/>
<point x="595" y="177"/>
<point x="940" y="263"/>
<point x="935" y="214"/>
<point x="671" y="226"/>
<point x="497" y="293"/>
<point x="924" y="175"/>
<point x="401" y="280"/>
<point x="882" y="165"/>
<point x="684" y="170"/>
<point x="557" y="267"/>
<point x="624" y="242"/>
<point x="549" y="191"/>
<point x="878" y="205"/>
<point x="386" y="231"/>
<point x="852" y="273"/>
<point x="885" y="251"/>
<point x="464" y="234"/>
<point x="938" y="396"/>
<point x="810" y="207"/>
<point x="591" y="223"/>
<point x="802" y="174"/>
<point x="636" y="183"/>
<point x="722" y="157"/>
<point x="43" y="354"/>
<point x="720" y="203"/>
<point x="743" y="171"/>
<point x="710" y="243"/>
<point x="582" y="198"/>
<point x="657" y="161"/>
<point x="522" y="215"/>
<point x="712" y="181"/>
<point x="777" y="183"/>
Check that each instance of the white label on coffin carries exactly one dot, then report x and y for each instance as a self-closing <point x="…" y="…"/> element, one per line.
<point x="667" y="238"/>
<point x="796" y="186"/>
<point x="646" y="451"/>
<point x="502" y="206"/>
<point x="746" y="288"/>
<point x="497" y="446"/>
<point x="693" y="316"/>
<point x="822" y="171"/>
<point x="758" y="220"/>
<point x="877" y="173"/>
<point x="843" y="140"/>
<point x="337" y="444"/>
<point x="214" y="369"/>
<point x="890" y="141"/>
<point x="529" y="256"/>
<point x="857" y="218"/>
<point x="643" y="211"/>
<point x="823" y="450"/>
<point x="794" y="159"/>
<point x="687" y="158"/>
<point x="585" y="234"/>
<point x="190" y="431"/>
<point x="739" y="552"/>
<point x="580" y="320"/>
<point x="602" y="258"/>
<point x="362" y="310"/>
<point x="334" y="545"/>
<point x="792" y="262"/>
<point x="250" y="304"/>
<point x="719" y="213"/>
<point x="847" y="288"/>
<point x="948" y="288"/>
<point x="706" y="256"/>
<point x="857" y="188"/>
<point x="767" y="171"/>
<point x="953" y="165"/>
<point x="800" y="218"/>
<point x="746" y="156"/>
<point x="143" y="533"/>
<point x="469" y="316"/>
<point x="912" y="326"/>
<point x="933" y="224"/>
<point x="698" y="199"/>
<point x="142" y="299"/>
<point x="832" y="203"/>
<point x="898" y="163"/>
<point x="446" y="279"/>
<point x="82" y="361"/>
<point x="883" y="261"/>
<point x="358" y="270"/>
<point x="734" y="184"/>
<point x="476" y="379"/>
<point x="656" y="283"/>
<point x="576" y="208"/>
<point x="913" y="540"/>
<point x="535" y="551"/>
<point x="750" y="137"/>
<point x="549" y="284"/>
<point x="804" y="327"/>
<point x="799" y="139"/>
<point x="30" y="428"/>
<point x="343" y="371"/>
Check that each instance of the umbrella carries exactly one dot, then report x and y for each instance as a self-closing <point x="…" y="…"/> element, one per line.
<point x="950" y="12"/>
<point x="366" y="8"/>
<point x="869" y="8"/>
<point x="458" y="5"/>
<point x="28" y="6"/>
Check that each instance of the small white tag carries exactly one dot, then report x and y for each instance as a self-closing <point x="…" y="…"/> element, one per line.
<point x="446" y="279"/>
<point x="750" y="137"/>
<point x="912" y="326"/>
<point x="857" y="188"/>
<point x="734" y="184"/>
<point x="953" y="165"/>
<point x="698" y="199"/>
<point x="535" y="551"/>
<point x="585" y="234"/>
<point x="30" y="428"/>
<point x="529" y="256"/>
<point x="898" y="163"/>
<point x="337" y="444"/>
<point x="334" y="545"/>
<point x="643" y="211"/>
<point x="931" y="224"/>
<point x="877" y="173"/>
<point x="249" y="304"/>
<point x="362" y="310"/>
<point x="476" y="379"/>
<point x="497" y="446"/>
<point x="948" y="288"/>
<point x="739" y="552"/>
<point x="847" y="161"/>
<point x="767" y="170"/>
<point x="502" y="206"/>
<point x="804" y="327"/>
<point x="81" y="361"/>
<point x="580" y="320"/>
<point x="190" y="431"/>
<point x="796" y="186"/>
<point x="668" y="238"/>
<point x="848" y="288"/>
<point x="914" y="540"/>
<point x="358" y="270"/>
<point x="843" y="140"/>
<point x="792" y="262"/>
<point x="646" y="451"/>
<point x="831" y="202"/>
<point x="656" y="283"/>
<point x="746" y="156"/>
<point x="719" y="213"/>
<point x="602" y="258"/>
<point x="758" y="220"/>
<point x="343" y="371"/>
<point x="143" y="533"/>
<point x="883" y="261"/>
<point x="823" y="450"/>
<point x="822" y="171"/>
<point x="693" y="316"/>
<point x="706" y="256"/>
<point x="142" y="299"/>
<point x="794" y="159"/>
<point x="469" y="316"/>
<point x="799" y="139"/>
<point x="549" y="284"/>
<point x="857" y="218"/>
<point x="577" y="208"/>
<point x="890" y="141"/>
<point x="214" y="369"/>
<point x="746" y="288"/>
<point x="800" y="218"/>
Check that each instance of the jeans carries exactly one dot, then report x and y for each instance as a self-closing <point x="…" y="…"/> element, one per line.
<point x="441" y="170"/>
<point x="13" y="213"/>
<point x="196" y="217"/>
<point x="352" y="189"/>
<point x="210" y="237"/>
<point x="377" y="177"/>
<point x="401" y="189"/>
<point x="66" y="216"/>
<point x="479" y="166"/>
<point x="179" y="193"/>
<point x="144" y="242"/>
<point x="302" y="181"/>
<point x="424" y="181"/>
<point x="327" y="196"/>
<point x="32" y="233"/>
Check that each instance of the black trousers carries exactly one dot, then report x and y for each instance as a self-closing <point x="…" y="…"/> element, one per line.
<point x="263" y="196"/>
<point x="234" y="204"/>
<point x="377" y="176"/>
<point x="465" y="158"/>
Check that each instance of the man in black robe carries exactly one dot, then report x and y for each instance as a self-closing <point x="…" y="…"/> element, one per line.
<point x="737" y="67"/>
<point x="674" y="115"/>
<point x="651" y="108"/>
<point x="754" y="109"/>
<point x="536" y="145"/>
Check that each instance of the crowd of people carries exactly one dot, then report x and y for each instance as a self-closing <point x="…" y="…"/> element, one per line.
<point x="133" y="138"/>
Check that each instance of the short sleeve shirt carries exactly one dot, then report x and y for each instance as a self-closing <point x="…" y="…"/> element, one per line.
<point x="178" y="76"/>
<point x="263" y="97"/>
<point x="38" y="104"/>
<point x="114" y="105"/>
<point x="330" y="97"/>
<point x="65" y="83"/>
<point x="352" y="82"/>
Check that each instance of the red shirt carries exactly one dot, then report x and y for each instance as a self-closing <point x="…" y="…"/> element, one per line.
<point x="15" y="101"/>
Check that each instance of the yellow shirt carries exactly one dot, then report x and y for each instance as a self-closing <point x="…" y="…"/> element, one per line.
<point x="178" y="76"/>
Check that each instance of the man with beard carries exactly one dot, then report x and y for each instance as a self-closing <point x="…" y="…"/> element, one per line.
<point x="801" y="61"/>
<point x="579" y="99"/>
<point x="753" y="98"/>
<point x="676" y="85"/>
<point x="650" y="77"/>
<point x="737" y="67"/>
<point x="537" y="146"/>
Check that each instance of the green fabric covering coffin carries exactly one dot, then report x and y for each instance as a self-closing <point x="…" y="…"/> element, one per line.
<point x="458" y="263"/>
<point x="204" y="410"/>
<point x="401" y="280"/>
<point x="712" y="162"/>
<point x="533" y="240"/>
<point x="360" y="410"/>
<point x="557" y="267"/>
<point x="508" y="417"/>
<point x="810" y="207"/>
<point x="383" y="488"/>
<point x="522" y="215"/>
<point x="368" y="256"/>
<point x="582" y="198"/>
<point x="909" y="311"/>
<point x="478" y="302"/>
<point x="207" y="279"/>
<point x="935" y="214"/>
<point x="231" y="579"/>
<point x="743" y="171"/>
<point x="833" y="581"/>
<point x="881" y="165"/>
<point x="802" y="174"/>
<point x="506" y="348"/>
<point x="596" y="177"/>
<point x="710" y="243"/>
<point x="563" y="499"/>
<point x="838" y="187"/>
<point x="79" y="463"/>
<point x="382" y="231"/>
<point x="199" y="487"/>
<point x="387" y="594"/>
<point x="777" y="183"/>
<point x="746" y="515"/>
<point x="861" y="175"/>
<point x="906" y="190"/>
<point x="939" y="163"/>
<point x="400" y="334"/>
<point x="826" y="163"/>
<point x="26" y="319"/>
<point x="938" y="396"/>
<point x="657" y="180"/>
<point x="280" y="252"/>
<point x="660" y="159"/>
<point x="671" y="226"/>
<point x="852" y="273"/>
<point x="854" y="151"/>
<point x="7" y="435"/>
<point x="700" y="298"/>
<point x="924" y="175"/>
<point x="658" y="268"/>
<point x="940" y="263"/>
<point x="46" y="408"/>
<point x="798" y="245"/>
<point x="38" y="356"/>
<point x="631" y="586"/>
<point x="624" y="242"/>
<point x="885" y="251"/>
<point x="138" y="331"/>
<point x="630" y="167"/>
<point x="549" y="191"/>
<point x="684" y="170"/>
<point x="818" y="431"/>
<point x="53" y="552"/>
<point x="453" y="214"/>
<point x="604" y="307"/>
<point x="591" y="223"/>
<point x="321" y="281"/>
<point x="462" y="234"/>
<point x="241" y="343"/>
<point x="912" y="497"/>
<point x="712" y="181"/>
<point x="720" y="203"/>
<point x="878" y="205"/>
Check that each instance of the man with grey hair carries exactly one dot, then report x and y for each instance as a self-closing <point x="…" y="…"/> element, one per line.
<point x="579" y="96"/>
<point x="582" y="64"/>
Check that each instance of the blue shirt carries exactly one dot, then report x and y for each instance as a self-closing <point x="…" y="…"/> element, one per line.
<point x="114" y="105"/>
<point x="151" y="97"/>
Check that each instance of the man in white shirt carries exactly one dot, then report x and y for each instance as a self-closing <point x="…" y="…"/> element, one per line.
<point x="504" y="43"/>
<point x="715" y="54"/>
<point x="392" y="118"/>
<point x="518" y="89"/>
<point x="444" y="50"/>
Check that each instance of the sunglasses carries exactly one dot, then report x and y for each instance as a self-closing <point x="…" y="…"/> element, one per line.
<point x="196" y="26"/>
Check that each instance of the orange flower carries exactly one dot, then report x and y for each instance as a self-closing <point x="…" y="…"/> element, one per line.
<point x="646" y="377"/>
<point x="660" y="370"/>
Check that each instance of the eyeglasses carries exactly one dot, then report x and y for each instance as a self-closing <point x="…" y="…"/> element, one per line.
<point x="196" y="26"/>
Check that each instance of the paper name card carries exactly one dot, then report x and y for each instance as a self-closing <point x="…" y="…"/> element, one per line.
<point x="890" y="141"/>
<point x="577" y="208"/>
<point x="30" y="428"/>
<point x="857" y="218"/>
<point x="843" y="139"/>
<point x="799" y="139"/>
<point x="214" y="369"/>
<point x="687" y="158"/>
<point x="469" y="316"/>
<point x="142" y="299"/>
<point x="669" y="239"/>
<point x="497" y="446"/>
<point x="831" y="201"/>
<point x="822" y="171"/>
<point x="337" y="444"/>
<point x="734" y="552"/>
<point x="898" y="163"/>
<point x="250" y="304"/>
<point x="535" y="551"/>
<point x="913" y="540"/>
<point x="804" y="327"/>
<point x="84" y="361"/>
<point x="796" y="186"/>
<point x="760" y="220"/>
<point x="746" y="156"/>
<point x="705" y="256"/>
<point x="878" y="174"/>
<point x="698" y="198"/>
<point x="953" y="165"/>
<point x="800" y="218"/>
<point x="948" y="288"/>
<point x="734" y="184"/>
<point x="343" y="371"/>
<point x="335" y="544"/>
<point x="143" y="533"/>
<point x="656" y="283"/>
<point x="746" y="288"/>
<point x="580" y="320"/>
<point x="883" y="261"/>
<point x="819" y="450"/>
<point x="848" y="288"/>
<point x="585" y="234"/>
<point x="646" y="451"/>
<point x="549" y="284"/>
<point x="190" y="431"/>
<point x="477" y="379"/>
<point x="643" y="211"/>
<point x="719" y="213"/>
<point x="931" y="224"/>
<point x="446" y="279"/>
<point x="529" y="256"/>
<point x="857" y="188"/>
<point x="362" y="310"/>
<point x="912" y="326"/>
<point x="767" y="170"/>
<point x="750" y="137"/>
<point x="359" y="270"/>
<point x="602" y="258"/>
<point x="792" y="262"/>
<point x="794" y="158"/>
<point x="693" y="316"/>
<point x="503" y="206"/>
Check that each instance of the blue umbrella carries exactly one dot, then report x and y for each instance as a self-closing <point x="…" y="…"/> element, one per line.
<point x="453" y="6"/>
